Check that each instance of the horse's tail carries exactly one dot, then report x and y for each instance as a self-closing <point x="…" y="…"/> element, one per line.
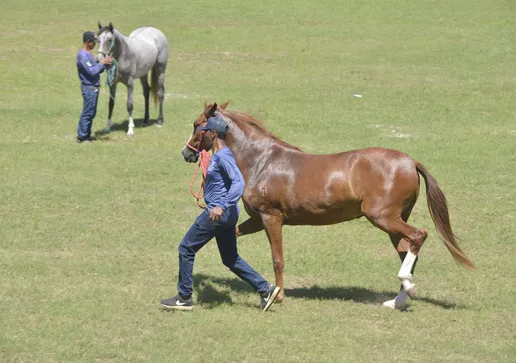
<point x="154" y="86"/>
<point x="439" y="213"/>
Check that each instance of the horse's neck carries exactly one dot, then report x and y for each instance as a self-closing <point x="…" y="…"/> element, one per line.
<point x="251" y="150"/>
<point x="121" y="45"/>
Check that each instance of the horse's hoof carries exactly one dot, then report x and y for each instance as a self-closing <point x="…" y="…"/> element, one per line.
<point x="394" y="305"/>
<point x="145" y="124"/>
<point x="159" y="123"/>
<point x="107" y="130"/>
<point x="130" y="133"/>
<point x="411" y="291"/>
<point x="279" y="298"/>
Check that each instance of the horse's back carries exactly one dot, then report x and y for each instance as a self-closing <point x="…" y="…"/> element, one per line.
<point x="150" y="41"/>
<point x="149" y="32"/>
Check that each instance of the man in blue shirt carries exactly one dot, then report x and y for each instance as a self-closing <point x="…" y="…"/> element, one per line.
<point x="223" y="188"/>
<point x="89" y="75"/>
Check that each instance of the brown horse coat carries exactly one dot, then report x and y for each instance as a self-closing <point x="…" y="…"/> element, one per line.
<point x="284" y="185"/>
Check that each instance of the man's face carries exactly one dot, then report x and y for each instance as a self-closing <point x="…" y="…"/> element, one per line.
<point x="91" y="44"/>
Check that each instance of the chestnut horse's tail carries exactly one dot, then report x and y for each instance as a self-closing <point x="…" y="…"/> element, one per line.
<point x="439" y="212"/>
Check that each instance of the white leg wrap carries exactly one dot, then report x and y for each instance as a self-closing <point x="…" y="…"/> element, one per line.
<point x="130" y="132"/>
<point x="406" y="266"/>
<point x="405" y="274"/>
<point x="399" y="302"/>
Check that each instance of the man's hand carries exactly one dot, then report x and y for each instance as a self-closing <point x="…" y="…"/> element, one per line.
<point x="216" y="213"/>
<point x="107" y="60"/>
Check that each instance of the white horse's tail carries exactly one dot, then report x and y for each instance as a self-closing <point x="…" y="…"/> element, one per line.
<point x="154" y="86"/>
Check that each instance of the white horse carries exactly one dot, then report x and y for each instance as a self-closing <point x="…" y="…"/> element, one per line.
<point x="144" y="50"/>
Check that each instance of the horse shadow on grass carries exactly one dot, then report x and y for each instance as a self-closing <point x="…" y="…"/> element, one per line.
<point x="123" y="127"/>
<point x="214" y="291"/>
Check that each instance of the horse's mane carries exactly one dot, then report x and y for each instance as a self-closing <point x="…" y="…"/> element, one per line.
<point x="258" y="126"/>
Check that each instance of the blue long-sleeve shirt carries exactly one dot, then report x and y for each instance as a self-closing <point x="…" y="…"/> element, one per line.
<point x="89" y="70"/>
<point x="224" y="182"/>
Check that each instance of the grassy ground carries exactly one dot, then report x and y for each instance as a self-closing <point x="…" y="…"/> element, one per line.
<point x="89" y="233"/>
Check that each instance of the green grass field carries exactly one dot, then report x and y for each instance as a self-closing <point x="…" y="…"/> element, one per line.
<point x="89" y="233"/>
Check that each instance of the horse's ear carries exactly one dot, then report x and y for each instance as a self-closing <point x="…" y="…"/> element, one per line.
<point x="110" y="26"/>
<point x="100" y="26"/>
<point x="212" y="110"/>
<point x="223" y="106"/>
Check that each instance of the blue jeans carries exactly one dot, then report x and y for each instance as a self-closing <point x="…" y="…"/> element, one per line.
<point x="200" y="233"/>
<point x="90" y="94"/>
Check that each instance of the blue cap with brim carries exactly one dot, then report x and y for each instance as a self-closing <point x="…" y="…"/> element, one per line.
<point x="89" y="37"/>
<point x="217" y="124"/>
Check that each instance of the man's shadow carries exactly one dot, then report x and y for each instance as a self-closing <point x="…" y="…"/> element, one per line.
<point x="214" y="291"/>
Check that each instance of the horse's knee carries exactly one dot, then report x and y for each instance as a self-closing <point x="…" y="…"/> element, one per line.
<point x="278" y="265"/>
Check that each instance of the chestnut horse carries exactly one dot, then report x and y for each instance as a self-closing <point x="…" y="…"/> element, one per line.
<point x="285" y="186"/>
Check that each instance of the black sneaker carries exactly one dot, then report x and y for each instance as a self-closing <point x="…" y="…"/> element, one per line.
<point x="87" y="140"/>
<point x="268" y="298"/>
<point x="178" y="303"/>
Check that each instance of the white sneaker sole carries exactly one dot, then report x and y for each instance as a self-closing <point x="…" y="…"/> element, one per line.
<point x="177" y="307"/>
<point x="271" y="299"/>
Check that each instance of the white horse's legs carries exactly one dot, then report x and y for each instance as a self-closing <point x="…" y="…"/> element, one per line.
<point x="130" y="89"/>
<point x="112" y="94"/>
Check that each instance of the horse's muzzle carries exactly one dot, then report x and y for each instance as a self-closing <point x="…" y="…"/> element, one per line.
<point x="189" y="155"/>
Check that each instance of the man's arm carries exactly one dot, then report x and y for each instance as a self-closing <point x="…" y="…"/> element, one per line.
<point x="89" y="68"/>
<point x="237" y="183"/>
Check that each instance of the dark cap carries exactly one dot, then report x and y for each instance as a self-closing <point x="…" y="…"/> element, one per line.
<point x="217" y="124"/>
<point x="89" y="36"/>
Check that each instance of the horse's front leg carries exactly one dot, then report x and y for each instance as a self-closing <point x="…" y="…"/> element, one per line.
<point x="112" y="94"/>
<point x="130" y="89"/>
<point x="273" y="225"/>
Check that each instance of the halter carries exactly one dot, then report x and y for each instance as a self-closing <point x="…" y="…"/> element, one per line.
<point x="204" y="160"/>
<point x="112" y="72"/>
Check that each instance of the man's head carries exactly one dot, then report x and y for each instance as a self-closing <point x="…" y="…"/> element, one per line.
<point x="217" y="125"/>
<point x="89" y="39"/>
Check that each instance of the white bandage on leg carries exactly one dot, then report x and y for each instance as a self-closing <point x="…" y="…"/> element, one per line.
<point x="405" y="274"/>
<point x="406" y="266"/>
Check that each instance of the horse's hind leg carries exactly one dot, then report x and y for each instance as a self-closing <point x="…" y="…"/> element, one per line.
<point x="406" y="237"/>
<point x="160" y="71"/>
<point x="146" y="93"/>
<point x="402" y="246"/>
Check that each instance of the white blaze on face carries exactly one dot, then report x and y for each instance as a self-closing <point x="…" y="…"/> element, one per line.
<point x="189" y="140"/>
<point x="104" y="40"/>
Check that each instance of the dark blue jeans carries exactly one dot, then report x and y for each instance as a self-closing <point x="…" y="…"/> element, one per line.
<point x="90" y="94"/>
<point x="200" y="233"/>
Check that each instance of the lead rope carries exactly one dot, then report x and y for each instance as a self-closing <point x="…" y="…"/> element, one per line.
<point x="204" y="161"/>
<point x="112" y="72"/>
